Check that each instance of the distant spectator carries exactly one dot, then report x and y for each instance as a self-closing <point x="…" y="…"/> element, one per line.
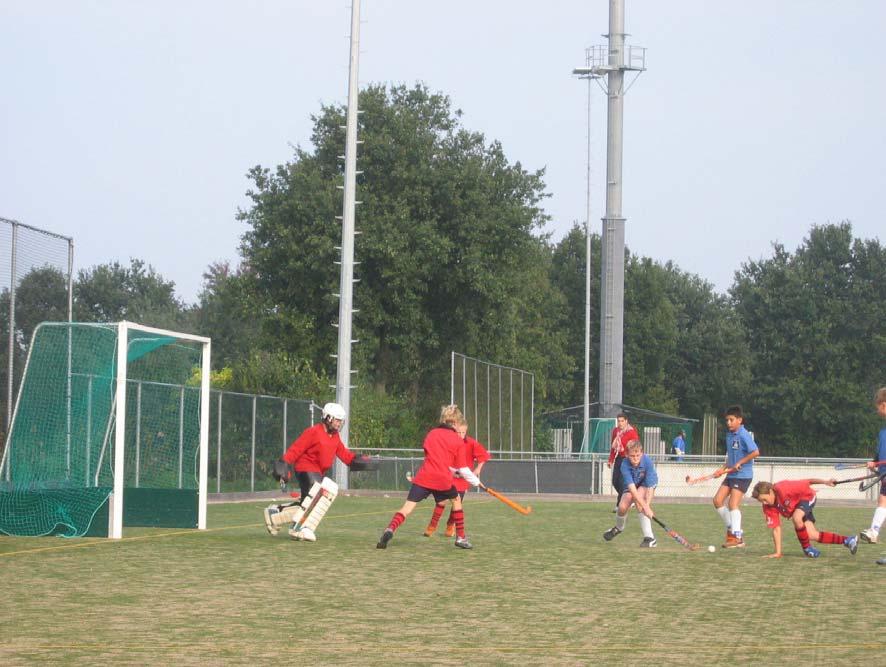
<point x="679" y="445"/>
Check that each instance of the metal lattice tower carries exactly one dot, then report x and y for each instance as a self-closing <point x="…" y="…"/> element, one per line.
<point x="618" y="60"/>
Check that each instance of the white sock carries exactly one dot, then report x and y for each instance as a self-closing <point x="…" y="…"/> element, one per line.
<point x="725" y="515"/>
<point x="736" y="522"/>
<point x="620" y="521"/>
<point x="879" y="517"/>
<point x="646" y="526"/>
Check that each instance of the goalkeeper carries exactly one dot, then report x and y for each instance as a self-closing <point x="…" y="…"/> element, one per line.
<point x="308" y="458"/>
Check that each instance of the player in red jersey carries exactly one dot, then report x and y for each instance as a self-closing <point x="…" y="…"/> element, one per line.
<point x="308" y="458"/>
<point x="622" y="434"/>
<point x="444" y="455"/>
<point x="474" y="451"/>
<point x="795" y="499"/>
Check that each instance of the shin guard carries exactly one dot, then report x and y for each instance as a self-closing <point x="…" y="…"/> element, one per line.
<point x="315" y="504"/>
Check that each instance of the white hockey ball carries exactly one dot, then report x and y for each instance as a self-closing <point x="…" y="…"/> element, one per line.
<point x="712" y="548"/>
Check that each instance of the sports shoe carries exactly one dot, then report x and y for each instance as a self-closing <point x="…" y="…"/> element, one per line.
<point x="649" y="542"/>
<point x="611" y="533"/>
<point x="812" y="552"/>
<point x="881" y="561"/>
<point x="732" y="541"/>
<point x="430" y="530"/>
<point x="869" y="535"/>
<point x="851" y="543"/>
<point x="462" y="543"/>
<point x="450" y="530"/>
<point x="270" y="511"/>
<point x="384" y="539"/>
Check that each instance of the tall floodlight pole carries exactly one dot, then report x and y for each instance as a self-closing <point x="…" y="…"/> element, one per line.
<point x="346" y="288"/>
<point x="617" y="63"/>
<point x="585" y="73"/>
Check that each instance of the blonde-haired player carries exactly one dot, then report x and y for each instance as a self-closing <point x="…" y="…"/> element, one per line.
<point x="444" y="455"/>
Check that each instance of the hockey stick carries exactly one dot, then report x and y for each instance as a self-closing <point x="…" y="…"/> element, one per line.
<point x="719" y="472"/>
<point x="856" y="479"/>
<point x="507" y="501"/>
<point x="847" y="466"/>
<point x="677" y="536"/>
<point x="875" y="479"/>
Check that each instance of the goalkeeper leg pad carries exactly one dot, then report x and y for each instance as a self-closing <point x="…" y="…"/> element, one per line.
<point x="280" y="515"/>
<point x="316" y="505"/>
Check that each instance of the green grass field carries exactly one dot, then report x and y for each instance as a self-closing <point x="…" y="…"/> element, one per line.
<point x="538" y="588"/>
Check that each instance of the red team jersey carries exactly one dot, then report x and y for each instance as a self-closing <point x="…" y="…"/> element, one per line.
<point x="473" y="451"/>
<point x="315" y="450"/>
<point x="620" y="442"/>
<point x="787" y="495"/>
<point x="443" y="450"/>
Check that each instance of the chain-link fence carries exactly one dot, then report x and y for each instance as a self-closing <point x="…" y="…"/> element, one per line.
<point x="547" y="474"/>
<point x="247" y="433"/>
<point x="36" y="285"/>
<point x="498" y="402"/>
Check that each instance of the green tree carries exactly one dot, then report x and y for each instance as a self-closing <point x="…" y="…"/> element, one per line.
<point x="113" y="292"/>
<point x="710" y="365"/>
<point x="568" y="276"/>
<point x="814" y="322"/>
<point x="226" y="312"/>
<point x="448" y="255"/>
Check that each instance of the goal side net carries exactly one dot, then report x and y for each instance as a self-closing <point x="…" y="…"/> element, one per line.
<point x="110" y="428"/>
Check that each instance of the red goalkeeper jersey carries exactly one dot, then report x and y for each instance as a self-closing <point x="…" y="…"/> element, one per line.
<point x="315" y="450"/>
<point x="787" y="495"/>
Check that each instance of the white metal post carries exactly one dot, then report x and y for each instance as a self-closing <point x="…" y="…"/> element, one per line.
<point x="116" y="506"/>
<point x="346" y="281"/>
<point x="202" y="492"/>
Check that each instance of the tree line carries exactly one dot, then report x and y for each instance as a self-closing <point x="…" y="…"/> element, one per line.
<point x="452" y="256"/>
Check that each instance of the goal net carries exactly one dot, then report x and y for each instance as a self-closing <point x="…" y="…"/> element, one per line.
<point x="110" y="428"/>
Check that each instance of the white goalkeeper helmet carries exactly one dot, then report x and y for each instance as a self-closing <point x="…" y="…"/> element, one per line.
<point x="333" y="411"/>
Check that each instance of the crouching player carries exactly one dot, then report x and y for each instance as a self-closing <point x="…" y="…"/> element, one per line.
<point x="474" y="451"/>
<point x="444" y="455"/>
<point x="795" y="499"/>
<point x="640" y="480"/>
<point x="308" y="457"/>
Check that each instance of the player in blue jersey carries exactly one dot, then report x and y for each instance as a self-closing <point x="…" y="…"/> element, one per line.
<point x="871" y="535"/>
<point x="741" y="450"/>
<point x="640" y="479"/>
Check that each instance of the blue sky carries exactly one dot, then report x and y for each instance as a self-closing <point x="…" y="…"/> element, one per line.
<point x="130" y="126"/>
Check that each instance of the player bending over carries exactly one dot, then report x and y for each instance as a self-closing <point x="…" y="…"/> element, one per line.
<point x="308" y="457"/>
<point x="640" y="479"/>
<point x="474" y="451"/>
<point x="795" y="500"/>
<point x="444" y="455"/>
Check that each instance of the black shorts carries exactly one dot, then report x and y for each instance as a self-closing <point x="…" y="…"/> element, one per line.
<point x="741" y="484"/>
<point x="418" y="493"/>
<point x="883" y="487"/>
<point x="806" y="506"/>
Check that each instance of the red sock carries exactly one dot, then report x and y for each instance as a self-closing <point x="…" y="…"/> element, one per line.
<point x="398" y="519"/>
<point x="451" y="520"/>
<point x="435" y="517"/>
<point x="831" y="538"/>
<point x="803" y="536"/>
<point x="459" y="516"/>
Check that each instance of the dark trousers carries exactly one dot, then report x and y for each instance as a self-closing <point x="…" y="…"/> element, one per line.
<point x="617" y="481"/>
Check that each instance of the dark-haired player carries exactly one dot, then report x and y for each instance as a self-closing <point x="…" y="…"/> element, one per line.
<point x="741" y="450"/>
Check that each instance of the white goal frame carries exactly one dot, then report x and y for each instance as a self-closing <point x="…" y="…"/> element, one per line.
<point x="115" y="510"/>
